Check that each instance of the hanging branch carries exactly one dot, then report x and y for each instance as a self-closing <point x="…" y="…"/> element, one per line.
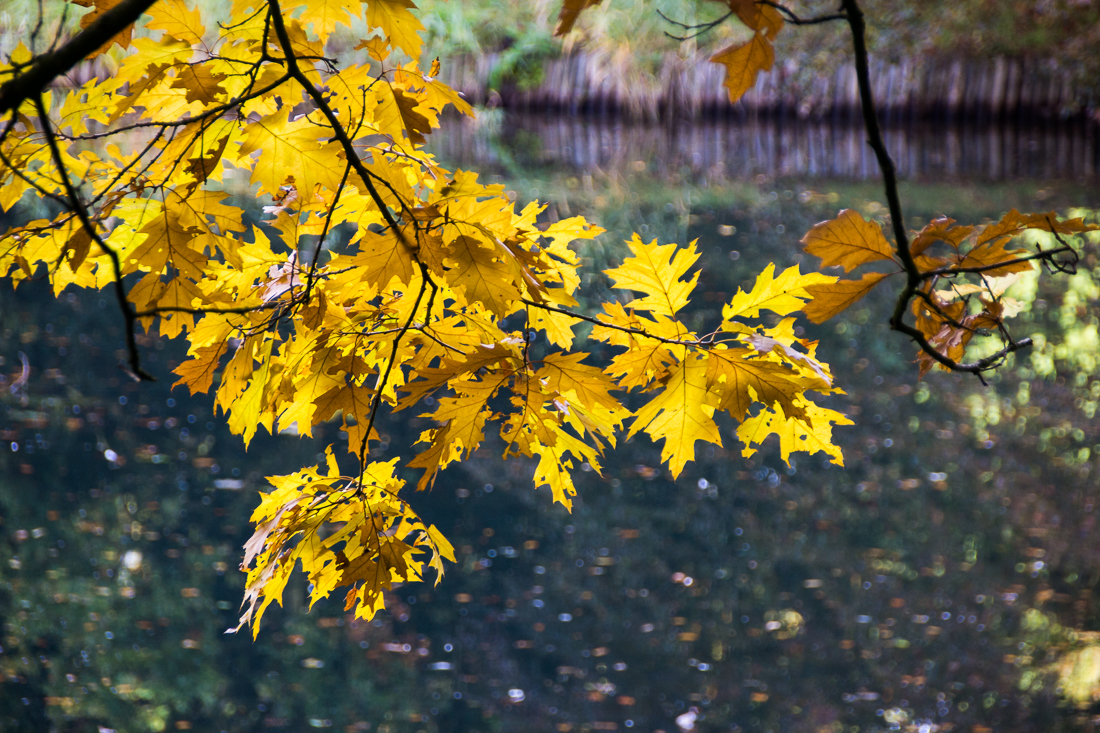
<point x="76" y="205"/>
<point x="915" y="277"/>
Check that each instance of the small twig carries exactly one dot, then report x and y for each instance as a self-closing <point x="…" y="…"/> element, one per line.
<point x="324" y="233"/>
<point x="212" y="112"/>
<point x="949" y="271"/>
<point x="795" y="20"/>
<point x="37" y="27"/>
<point x="89" y="227"/>
<point x="614" y="327"/>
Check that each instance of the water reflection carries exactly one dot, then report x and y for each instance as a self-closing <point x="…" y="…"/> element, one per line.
<point x="741" y="150"/>
<point x="946" y="579"/>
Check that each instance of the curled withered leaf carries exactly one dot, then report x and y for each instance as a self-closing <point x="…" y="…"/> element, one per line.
<point x="941" y="229"/>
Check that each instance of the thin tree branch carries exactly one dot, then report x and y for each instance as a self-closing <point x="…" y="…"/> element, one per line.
<point x="914" y="277"/>
<point x="212" y="112"/>
<point x="948" y="271"/>
<point x="321" y="240"/>
<point x="341" y="135"/>
<point x="612" y="326"/>
<point x="89" y="227"/>
<point x="793" y="19"/>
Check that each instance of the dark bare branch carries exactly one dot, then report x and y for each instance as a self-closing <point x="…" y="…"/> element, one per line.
<point x="77" y="206"/>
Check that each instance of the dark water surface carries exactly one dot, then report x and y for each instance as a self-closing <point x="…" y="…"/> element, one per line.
<point x="946" y="579"/>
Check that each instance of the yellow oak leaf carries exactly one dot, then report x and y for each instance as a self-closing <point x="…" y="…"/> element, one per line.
<point x="377" y="48"/>
<point x="743" y="62"/>
<point x="325" y="15"/>
<point x="829" y="299"/>
<point x="415" y="123"/>
<point x="355" y="403"/>
<point x="200" y="83"/>
<point x="291" y="151"/>
<point x="178" y="293"/>
<point x="645" y="361"/>
<point x="681" y="413"/>
<point x="382" y="259"/>
<point x="552" y="470"/>
<point x="440" y="452"/>
<point x="558" y="327"/>
<point x="397" y="24"/>
<point x="739" y="382"/>
<point x="814" y="434"/>
<point x="313" y="380"/>
<point x="248" y="412"/>
<point x="479" y="273"/>
<point x="177" y="20"/>
<point x="564" y="373"/>
<point x="198" y="373"/>
<point x="657" y="270"/>
<point x="784" y="294"/>
<point x="849" y="241"/>
<point x="168" y="242"/>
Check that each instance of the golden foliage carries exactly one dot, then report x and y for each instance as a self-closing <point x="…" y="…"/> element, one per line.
<point x="443" y="289"/>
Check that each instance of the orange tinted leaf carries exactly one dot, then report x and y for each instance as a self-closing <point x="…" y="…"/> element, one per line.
<point x="743" y="62"/>
<point x="198" y="373"/>
<point x="939" y="230"/>
<point x="992" y="253"/>
<point x="829" y="299"/>
<point x="848" y="241"/>
<point x="100" y="7"/>
<point x="758" y="16"/>
<point x="570" y="10"/>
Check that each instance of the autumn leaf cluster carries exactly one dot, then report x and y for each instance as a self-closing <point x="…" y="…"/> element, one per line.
<point x="374" y="280"/>
<point x="958" y="277"/>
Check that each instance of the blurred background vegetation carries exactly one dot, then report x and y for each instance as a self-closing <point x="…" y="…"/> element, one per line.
<point x="1064" y="32"/>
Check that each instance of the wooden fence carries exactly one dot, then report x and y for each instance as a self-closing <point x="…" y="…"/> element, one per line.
<point x="922" y="89"/>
